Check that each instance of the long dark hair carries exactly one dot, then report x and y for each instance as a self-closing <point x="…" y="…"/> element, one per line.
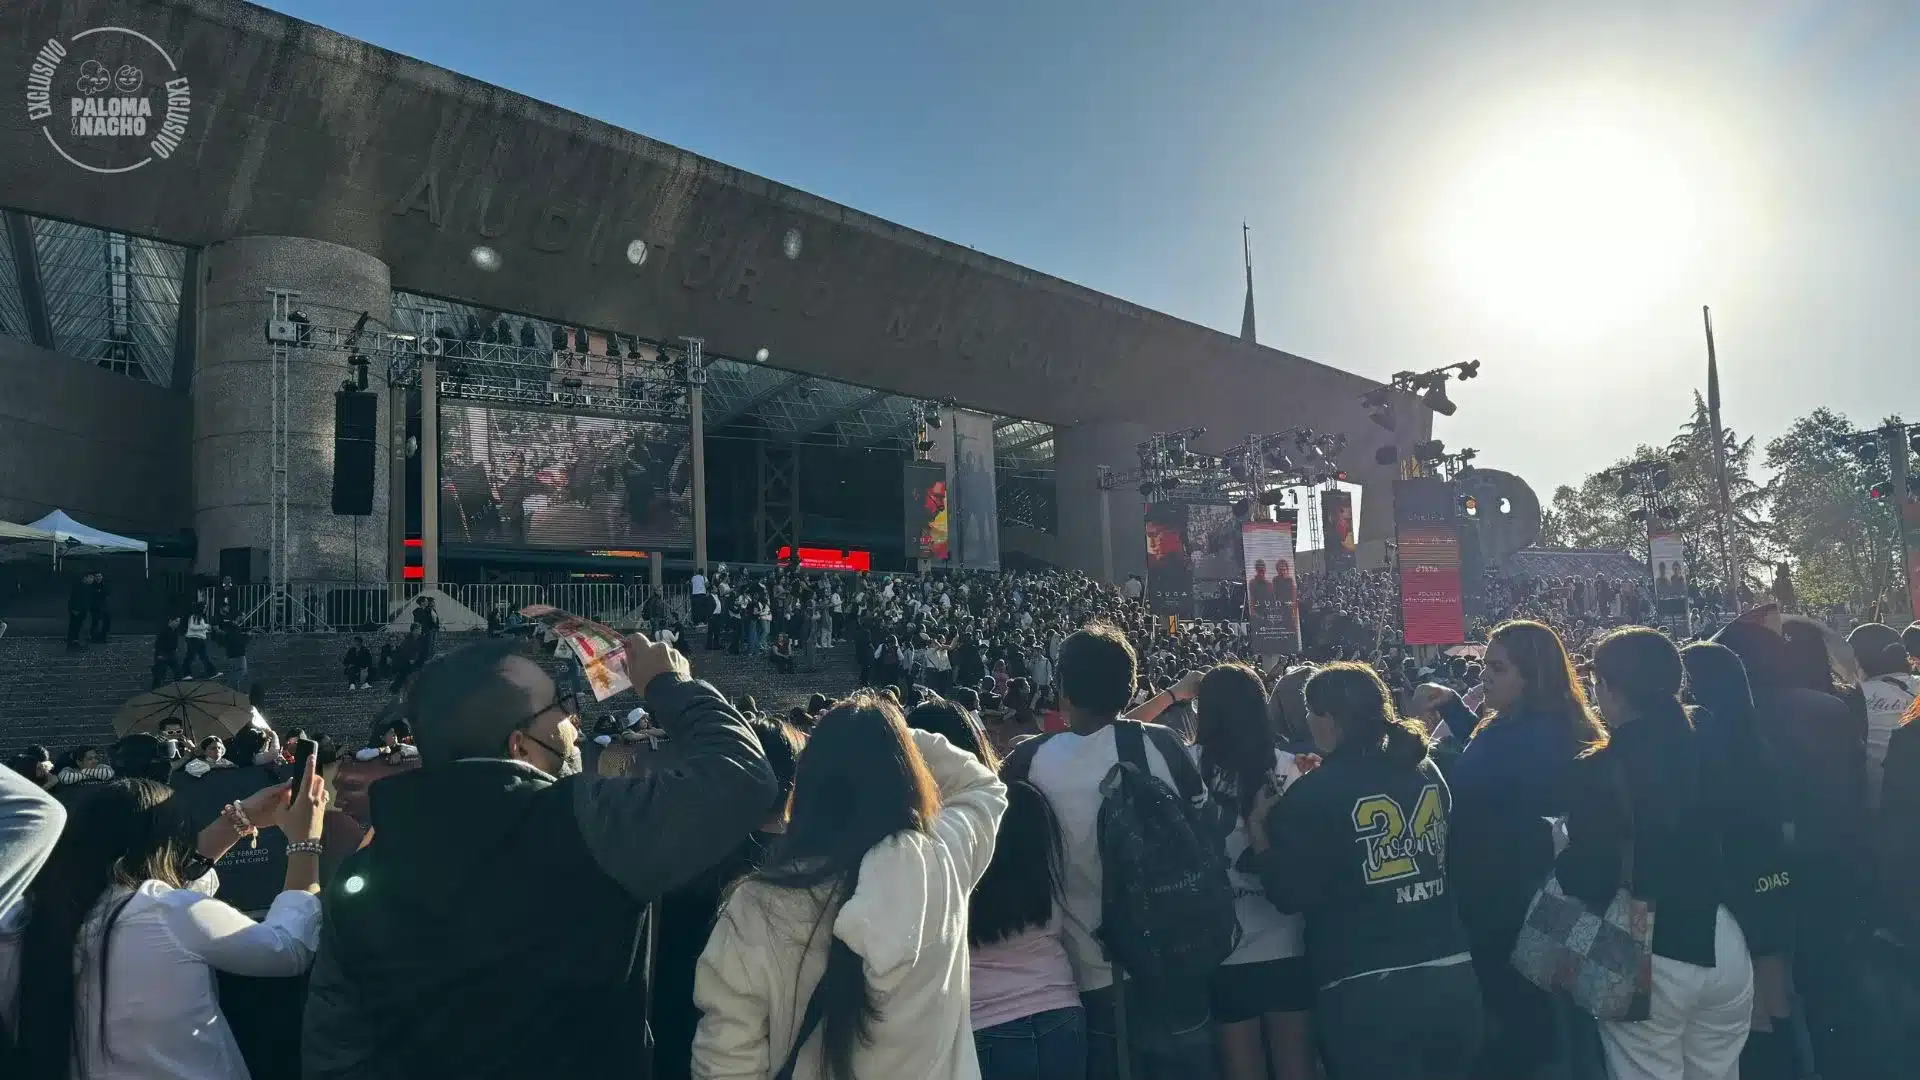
<point x="1643" y="667"/>
<point x="1731" y="738"/>
<point x="1018" y="889"/>
<point x="1553" y="691"/>
<point x="1021" y="884"/>
<point x="118" y="835"/>
<point x="957" y="723"/>
<point x="860" y="781"/>
<point x="1360" y="704"/>
<point x="1236" y="746"/>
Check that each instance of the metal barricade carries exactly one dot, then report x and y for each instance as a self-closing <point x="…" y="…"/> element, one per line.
<point x="341" y="607"/>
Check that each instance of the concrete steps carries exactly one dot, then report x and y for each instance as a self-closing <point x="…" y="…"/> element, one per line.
<point x="60" y="699"/>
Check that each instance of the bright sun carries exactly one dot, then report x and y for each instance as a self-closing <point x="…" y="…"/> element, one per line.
<point x="1576" y="213"/>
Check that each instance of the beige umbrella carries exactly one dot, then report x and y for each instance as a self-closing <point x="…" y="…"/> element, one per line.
<point x="207" y="708"/>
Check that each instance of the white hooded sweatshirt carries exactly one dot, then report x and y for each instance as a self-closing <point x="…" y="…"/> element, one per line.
<point x="907" y="921"/>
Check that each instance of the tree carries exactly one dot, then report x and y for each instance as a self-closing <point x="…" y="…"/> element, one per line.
<point x="1695" y="495"/>
<point x="1841" y="542"/>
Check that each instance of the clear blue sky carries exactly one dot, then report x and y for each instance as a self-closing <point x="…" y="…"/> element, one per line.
<point x="1555" y="192"/>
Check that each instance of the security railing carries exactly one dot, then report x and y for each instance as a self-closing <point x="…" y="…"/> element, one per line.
<point x="340" y="607"/>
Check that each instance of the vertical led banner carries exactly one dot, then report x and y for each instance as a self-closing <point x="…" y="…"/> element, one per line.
<point x="1169" y="570"/>
<point x="1337" y="527"/>
<point x="1432" y="607"/>
<point x="975" y="501"/>
<point x="927" y="523"/>
<point x="1273" y="615"/>
<point x="1667" y="553"/>
<point x="1213" y="548"/>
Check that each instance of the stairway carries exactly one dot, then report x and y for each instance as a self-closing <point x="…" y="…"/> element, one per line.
<point x="60" y="699"/>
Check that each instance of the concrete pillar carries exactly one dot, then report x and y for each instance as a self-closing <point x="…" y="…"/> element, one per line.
<point x="1079" y="451"/>
<point x="233" y="397"/>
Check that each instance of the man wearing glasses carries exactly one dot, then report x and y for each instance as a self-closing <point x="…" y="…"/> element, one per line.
<point x="495" y="923"/>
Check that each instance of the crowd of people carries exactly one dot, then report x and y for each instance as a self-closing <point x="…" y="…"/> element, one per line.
<point x="1043" y="836"/>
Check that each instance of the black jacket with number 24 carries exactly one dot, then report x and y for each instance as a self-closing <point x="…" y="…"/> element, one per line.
<point x="1359" y="846"/>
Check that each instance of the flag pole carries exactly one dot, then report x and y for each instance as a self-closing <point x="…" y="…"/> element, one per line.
<point x="1731" y="564"/>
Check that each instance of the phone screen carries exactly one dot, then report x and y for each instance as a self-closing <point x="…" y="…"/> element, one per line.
<point x="302" y="750"/>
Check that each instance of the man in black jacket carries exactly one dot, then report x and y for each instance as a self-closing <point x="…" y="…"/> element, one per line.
<point x="79" y="598"/>
<point x="495" y="924"/>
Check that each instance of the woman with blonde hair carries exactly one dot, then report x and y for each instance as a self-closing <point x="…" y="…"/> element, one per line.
<point x="1512" y="777"/>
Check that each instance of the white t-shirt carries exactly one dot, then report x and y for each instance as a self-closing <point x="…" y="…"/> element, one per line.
<point x="698" y="584"/>
<point x="1265" y="933"/>
<point x="1068" y="769"/>
<point x="1888" y="699"/>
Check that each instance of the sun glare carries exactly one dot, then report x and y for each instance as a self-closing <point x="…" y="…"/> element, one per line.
<point x="1576" y="214"/>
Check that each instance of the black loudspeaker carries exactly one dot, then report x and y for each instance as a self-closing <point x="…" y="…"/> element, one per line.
<point x="356" y="421"/>
<point x="246" y="566"/>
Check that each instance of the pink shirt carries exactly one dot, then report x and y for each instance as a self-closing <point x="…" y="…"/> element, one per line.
<point x="1022" y="975"/>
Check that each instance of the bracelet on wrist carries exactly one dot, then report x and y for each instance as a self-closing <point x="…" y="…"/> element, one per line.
<point x="304" y="847"/>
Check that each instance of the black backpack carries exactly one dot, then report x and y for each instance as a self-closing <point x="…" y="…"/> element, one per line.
<point x="1166" y="906"/>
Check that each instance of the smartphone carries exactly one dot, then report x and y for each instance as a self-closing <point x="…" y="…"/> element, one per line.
<point x="302" y="750"/>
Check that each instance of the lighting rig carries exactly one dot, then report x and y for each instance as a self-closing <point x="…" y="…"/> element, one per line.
<point x="1253" y="474"/>
<point x="1897" y="444"/>
<point x="1430" y="387"/>
<point x="644" y="381"/>
<point x="1646" y="480"/>
<point x="924" y="419"/>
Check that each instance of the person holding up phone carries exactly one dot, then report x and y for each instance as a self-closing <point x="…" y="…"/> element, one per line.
<point x="128" y="889"/>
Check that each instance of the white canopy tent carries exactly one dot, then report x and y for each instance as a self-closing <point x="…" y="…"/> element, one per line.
<point x="26" y="542"/>
<point x="73" y="538"/>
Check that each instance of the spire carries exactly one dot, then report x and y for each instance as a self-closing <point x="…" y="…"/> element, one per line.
<point x="1246" y="313"/>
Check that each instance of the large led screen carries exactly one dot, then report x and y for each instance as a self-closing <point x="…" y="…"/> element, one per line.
<point x="559" y="481"/>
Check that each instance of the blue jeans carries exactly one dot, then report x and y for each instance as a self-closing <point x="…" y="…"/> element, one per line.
<point x="755" y="637"/>
<point x="1170" y="1033"/>
<point x="1049" y="1045"/>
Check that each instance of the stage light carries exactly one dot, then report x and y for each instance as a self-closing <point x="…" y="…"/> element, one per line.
<point x="637" y="252"/>
<point x="1470" y="369"/>
<point x="484" y="258"/>
<point x="570" y="383"/>
<point x="559" y="339"/>
<point x="1867" y="450"/>
<point x="1276" y="497"/>
<point x="760" y="357"/>
<point x="1386" y="455"/>
<point x="580" y="341"/>
<point x="528" y="338"/>
<point x="1436" y="399"/>
<point x="1662" y="479"/>
<point x="1431" y="450"/>
<point x="933" y="415"/>
<point x="633" y="348"/>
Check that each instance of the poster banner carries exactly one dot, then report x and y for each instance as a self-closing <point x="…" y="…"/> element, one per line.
<point x="519" y="478"/>
<point x="601" y="649"/>
<point x="1273" y="615"/>
<point x="1668" y="555"/>
<point x="1432" y="609"/>
<point x="1169" y="570"/>
<point x="1338" y="528"/>
<point x="1213" y="546"/>
<point x="927" y="520"/>
<point x="975" y="502"/>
